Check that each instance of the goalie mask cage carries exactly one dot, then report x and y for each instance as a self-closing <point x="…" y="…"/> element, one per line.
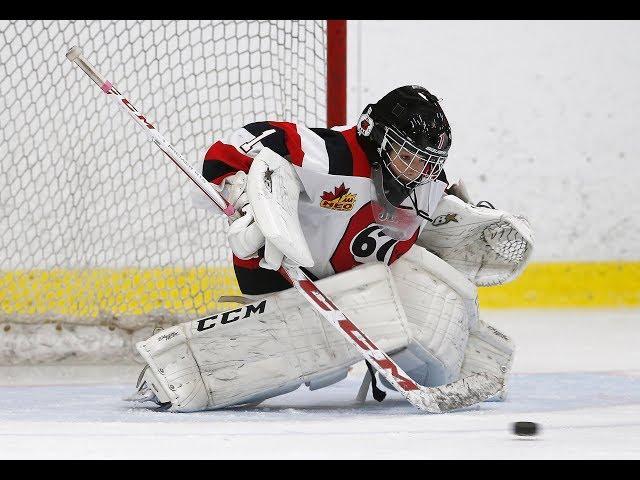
<point x="99" y="241"/>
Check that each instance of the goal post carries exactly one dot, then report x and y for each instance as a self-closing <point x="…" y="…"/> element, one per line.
<point x="99" y="242"/>
<point x="336" y="72"/>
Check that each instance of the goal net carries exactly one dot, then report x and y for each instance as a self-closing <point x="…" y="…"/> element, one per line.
<point x="99" y="241"/>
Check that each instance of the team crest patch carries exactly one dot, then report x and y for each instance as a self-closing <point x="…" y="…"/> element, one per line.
<point x="340" y="199"/>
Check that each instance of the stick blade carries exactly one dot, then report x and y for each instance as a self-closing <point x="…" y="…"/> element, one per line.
<point x="462" y="393"/>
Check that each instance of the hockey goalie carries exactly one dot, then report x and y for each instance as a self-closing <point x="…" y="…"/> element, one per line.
<point x="372" y="218"/>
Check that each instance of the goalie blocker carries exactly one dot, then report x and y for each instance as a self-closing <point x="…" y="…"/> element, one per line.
<point x="420" y="310"/>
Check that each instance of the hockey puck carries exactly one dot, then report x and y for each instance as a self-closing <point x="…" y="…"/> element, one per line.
<point x="525" y="429"/>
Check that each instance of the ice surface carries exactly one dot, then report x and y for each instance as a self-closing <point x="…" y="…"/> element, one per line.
<point x="589" y="412"/>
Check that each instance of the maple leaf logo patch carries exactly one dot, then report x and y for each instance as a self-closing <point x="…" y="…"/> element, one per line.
<point x="340" y="199"/>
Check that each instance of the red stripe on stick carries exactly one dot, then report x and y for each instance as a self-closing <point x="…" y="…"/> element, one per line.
<point x="366" y="344"/>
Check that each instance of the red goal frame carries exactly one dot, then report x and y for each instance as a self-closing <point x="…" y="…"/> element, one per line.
<point x="336" y="72"/>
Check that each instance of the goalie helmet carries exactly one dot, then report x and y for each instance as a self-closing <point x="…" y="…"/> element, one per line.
<point x="406" y="135"/>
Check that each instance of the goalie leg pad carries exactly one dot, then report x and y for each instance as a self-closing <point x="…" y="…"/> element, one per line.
<point x="274" y="345"/>
<point x="173" y="373"/>
<point x="441" y="308"/>
<point x="491" y="351"/>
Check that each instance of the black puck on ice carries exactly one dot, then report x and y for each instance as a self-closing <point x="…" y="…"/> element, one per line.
<point x="526" y="429"/>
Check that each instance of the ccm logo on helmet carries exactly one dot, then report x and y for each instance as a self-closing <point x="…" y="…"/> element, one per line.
<point x="231" y="316"/>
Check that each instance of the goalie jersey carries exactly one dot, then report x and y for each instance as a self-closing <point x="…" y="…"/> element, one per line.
<point x="335" y="207"/>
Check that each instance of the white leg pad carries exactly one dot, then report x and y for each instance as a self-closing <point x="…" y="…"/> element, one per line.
<point x="441" y="308"/>
<point x="173" y="373"/>
<point x="489" y="350"/>
<point x="274" y="345"/>
<point x="448" y="340"/>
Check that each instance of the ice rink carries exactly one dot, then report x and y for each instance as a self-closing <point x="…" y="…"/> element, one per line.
<point x="99" y="229"/>
<point x="576" y="373"/>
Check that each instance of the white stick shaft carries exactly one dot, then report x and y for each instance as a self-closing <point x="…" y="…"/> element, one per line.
<point x="75" y="56"/>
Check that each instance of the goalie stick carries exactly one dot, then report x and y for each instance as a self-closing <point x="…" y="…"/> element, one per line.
<point x="459" y="394"/>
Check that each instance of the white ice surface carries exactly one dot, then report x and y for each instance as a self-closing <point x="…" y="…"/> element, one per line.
<point x="576" y="373"/>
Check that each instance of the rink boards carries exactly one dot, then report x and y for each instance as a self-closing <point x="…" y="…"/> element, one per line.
<point x="86" y="293"/>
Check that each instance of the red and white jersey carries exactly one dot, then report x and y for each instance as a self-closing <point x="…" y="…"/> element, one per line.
<point x="335" y="208"/>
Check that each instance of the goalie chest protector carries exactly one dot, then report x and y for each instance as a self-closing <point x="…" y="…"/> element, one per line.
<point x="335" y="207"/>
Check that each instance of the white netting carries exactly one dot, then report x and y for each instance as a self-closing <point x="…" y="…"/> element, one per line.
<point x="96" y="226"/>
